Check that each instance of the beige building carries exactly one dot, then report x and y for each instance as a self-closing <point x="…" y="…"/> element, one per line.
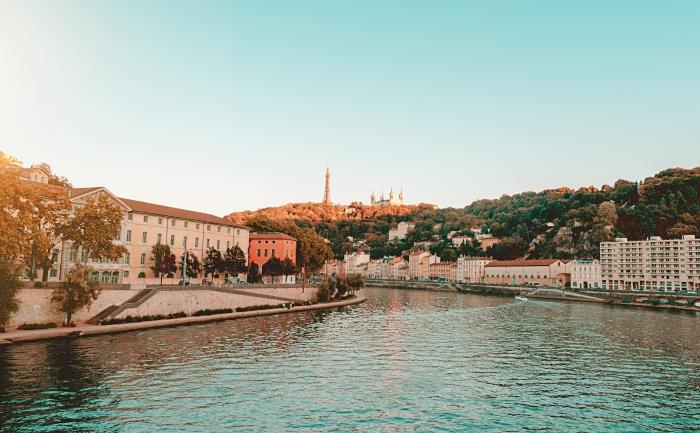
<point x="586" y="274"/>
<point x="655" y="264"/>
<point x="544" y="272"/>
<point x="401" y="231"/>
<point x="333" y="268"/>
<point x="472" y="269"/>
<point x="446" y="271"/>
<point x="419" y="265"/>
<point x="457" y="241"/>
<point x="144" y="225"/>
<point x="353" y="262"/>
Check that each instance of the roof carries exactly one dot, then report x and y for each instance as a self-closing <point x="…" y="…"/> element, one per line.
<point x="74" y="192"/>
<point x="518" y="263"/>
<point x="173" y="212"/>
<point x="273" y="235"/>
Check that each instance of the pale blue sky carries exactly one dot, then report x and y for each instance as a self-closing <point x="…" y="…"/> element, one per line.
<point x="221" y="106"/>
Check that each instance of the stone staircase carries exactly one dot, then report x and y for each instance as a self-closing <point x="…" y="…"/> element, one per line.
<point x="102" y="315"/>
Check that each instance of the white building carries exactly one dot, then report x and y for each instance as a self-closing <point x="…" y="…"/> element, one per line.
<point x="586" y="274"/>
<point x="457" y="241"/>
<point x="653" y="264"/>
<point x="354" y="261"/>
<point x="419" y="265"/>
<point x="401" y="230"/>
<point x="472" y="269"/>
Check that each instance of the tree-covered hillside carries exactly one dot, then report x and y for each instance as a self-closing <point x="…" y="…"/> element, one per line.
<point x="562" y="223"/>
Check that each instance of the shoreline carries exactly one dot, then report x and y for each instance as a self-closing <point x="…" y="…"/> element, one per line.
<point x="14" y="337"/>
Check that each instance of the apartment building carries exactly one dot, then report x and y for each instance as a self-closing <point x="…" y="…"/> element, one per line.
<point x="401" y="231"/>
<point x="472" y="269"/>
<point x="264" y="246"/>
<point x="656" y="264"/>
<point x="353" y="262"/>
<point x="443" y="271"/>
<point x="419" y="265"/>
<point x="586" y="274"/>
<point x="544" y="272"/>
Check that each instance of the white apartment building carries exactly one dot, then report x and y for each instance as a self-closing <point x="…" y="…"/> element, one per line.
<point x="653" y="264"/>
<point x="472" y="269"/>
<point x="401" y="231"/>
<point x="353" y="262"/>
<point x="419" y="265"/>
<point x="586" y="274"/>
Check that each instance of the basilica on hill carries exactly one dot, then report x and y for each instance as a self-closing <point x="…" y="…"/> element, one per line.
<point x="393" y="199"/>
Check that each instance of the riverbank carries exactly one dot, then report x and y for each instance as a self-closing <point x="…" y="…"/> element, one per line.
<point x="92" y="330"/>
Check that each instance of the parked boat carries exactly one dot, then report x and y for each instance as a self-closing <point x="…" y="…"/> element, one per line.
<point x="520" y="298"/>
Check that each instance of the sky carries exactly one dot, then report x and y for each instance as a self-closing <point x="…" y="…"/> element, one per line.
<point x="222" y="106"/>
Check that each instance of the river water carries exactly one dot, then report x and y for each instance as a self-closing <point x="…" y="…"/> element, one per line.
<point x="405" y="361"/>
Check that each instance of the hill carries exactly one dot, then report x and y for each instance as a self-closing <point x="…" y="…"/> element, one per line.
<point x="562" y="222"/>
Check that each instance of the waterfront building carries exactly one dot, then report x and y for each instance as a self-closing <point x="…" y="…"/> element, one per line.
<point x="401" y="231"/>
<point x="264" y="246"/>
<point x="393" y="200"/>
<point x="472" y="269"/>
<point x="458" y="241"/>
<point x="487" y="241"/>
<point x="419" y="265"/>
<point x="144" y="225"/>
<point x="446" y="271"/>
<point x="655" y="264"/>
<point x="398" y="269"/>
<point x="586" y="274"/>
<point x="333" y="268"/>
<point x="353" y="261"/>
<point x="544" y="272"/>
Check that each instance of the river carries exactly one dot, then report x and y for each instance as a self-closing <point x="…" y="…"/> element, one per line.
<point x="404" y="361"/>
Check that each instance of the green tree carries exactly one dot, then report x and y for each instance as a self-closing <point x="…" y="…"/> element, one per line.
<point x="272" y="268"/>
<point x="288" y="267"/>
<point x="355" y="282"/>
<point x="9" y="284"/>
<point x="164" y="261"/>
<point x="94" y="227"/>
<point x="194" y="267"/>
<point x="234" y="261"/>
<point x="76" y="292"/>
<point x="213" y="262"/>
<point x="254" y="273"/>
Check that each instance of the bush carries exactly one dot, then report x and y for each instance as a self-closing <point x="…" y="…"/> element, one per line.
<point x="258" y="307"/>
<point x="134" y="319"/>
<point x="32" y="326"/>
<point x="208" y="312"/>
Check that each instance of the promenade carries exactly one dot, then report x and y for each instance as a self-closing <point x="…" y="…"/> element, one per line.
<point x="92" y="330"/>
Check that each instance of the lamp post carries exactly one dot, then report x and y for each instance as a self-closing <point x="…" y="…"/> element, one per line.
<point x="184" y="265"/>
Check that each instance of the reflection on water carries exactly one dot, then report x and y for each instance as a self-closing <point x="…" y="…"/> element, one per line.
<point x="404" y="361"/>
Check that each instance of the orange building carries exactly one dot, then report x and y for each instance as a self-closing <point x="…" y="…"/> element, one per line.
<point x="264" y="246"/>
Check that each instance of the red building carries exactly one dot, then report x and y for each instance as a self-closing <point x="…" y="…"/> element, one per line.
<point x="264" y="246"/>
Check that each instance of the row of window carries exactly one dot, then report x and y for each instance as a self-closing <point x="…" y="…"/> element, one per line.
<point x="173" y="222"/>
<point x="159" y="239"/>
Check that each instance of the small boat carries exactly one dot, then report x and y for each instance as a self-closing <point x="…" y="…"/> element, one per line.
<point x="520" y="298"/>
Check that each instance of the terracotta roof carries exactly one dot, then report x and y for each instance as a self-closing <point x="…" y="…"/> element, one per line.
<point x="74" y="192"/>
<point x="515" y="263"/>
<point x="173" y="212"/>
<point x="275" y="235"/>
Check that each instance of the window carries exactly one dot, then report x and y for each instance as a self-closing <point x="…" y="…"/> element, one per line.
<point x="128" y="235"/>
<point x="54" y="255"/>
<point x="143" y="258"/>
<point x="185" y="224"/>
<point x="184" y="241"/>
<point x="142" y="275"/>
<point x="172" y="239"/>
<point x="160" y="221"/>
<point x="207" y="243"/>
<point x="125" y="274"/>
<point x="145" y="218"/>
<point x="119" y="235"/>
<point x="258" y="252"/>
<point x="160" y="237"/>
<point x="228" y="230"/>
<point x="208" y="227"/>
<point x="196" y="242"/>
<point x="196" y="226"/>
<point x="53" y="273"/>
<point x="144" y="237"/>
<point x="218" y="229"/>
<point x="172" y="223"/>
<point x="218" y="244"/>
<point x="238" y="232"/>
<point x="272" y="252"/>
<point x="127" y="258"/>
<point x="228" y="244"/>
<point x="265" y="252"/>
<point x="130" y="216"/>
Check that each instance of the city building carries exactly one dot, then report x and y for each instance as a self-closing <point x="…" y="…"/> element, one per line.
<point x="654" y="264"/>
<point x="401" y="231"/>
<point x="264" y="246"/>
<point x="472" y="269"/>
<point x="333" y="268"/>
<point x="443" y="271"/>
<point x="419" y="265"/>
<point x="353" y="262"/>
<point x="586" y="274"/>
<point x="398" y="269"/>
<point x="144" y="225"/>
<point x="544" y="272"/>
<point x="487" y="241"/>
<point x="457" y="241"/>
<point x="393" y="199"/>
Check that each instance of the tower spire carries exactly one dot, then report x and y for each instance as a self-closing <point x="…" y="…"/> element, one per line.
<point x="327" y="191"/>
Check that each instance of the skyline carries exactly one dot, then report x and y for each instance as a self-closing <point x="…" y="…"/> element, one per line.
<point x="469" y="101"/>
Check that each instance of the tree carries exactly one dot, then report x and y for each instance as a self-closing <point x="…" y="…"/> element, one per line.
<point x="50" y="214"/>
<point x="272" y="268"/>
<point x="94" y="227"/>
<point x="16" y="210"/>
<point x="7" y="160"/>
<point x="164" y="261"/>
<point x="76" y="292"/>
<point x="213" y="262"/>
<point x="9" y="284"/>
<point x="288" y="267"/>
<point x="254" y="273"/>
<point x="355" y="282"/>
<point x="193" y="265"/>
<point x="234" y="261"/>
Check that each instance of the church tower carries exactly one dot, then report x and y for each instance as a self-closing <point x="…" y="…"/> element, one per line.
<point x="327" y="192"/>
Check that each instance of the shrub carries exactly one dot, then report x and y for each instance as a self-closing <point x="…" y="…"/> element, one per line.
<point x="134" y="319"/>
<point x="208" y="312"/>
<point x="258" y="307"/>
<point x="32" y="326"/>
